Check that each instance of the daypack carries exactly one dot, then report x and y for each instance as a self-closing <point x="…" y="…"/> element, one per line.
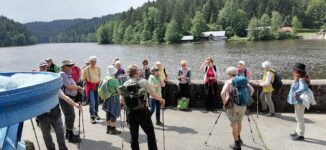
<point x="103" y="89"/>
<point x="244" y="73"/>
<point x="134" y="95"/>
<point x="277" y="83"/>
<point x="183" y="104"/>
<point x="240" y="93"/>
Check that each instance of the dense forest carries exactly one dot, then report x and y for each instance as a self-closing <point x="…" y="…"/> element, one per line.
<point x="168" y="20"/>
<point x="44" y="30"/>
<point x="14" y="34"/>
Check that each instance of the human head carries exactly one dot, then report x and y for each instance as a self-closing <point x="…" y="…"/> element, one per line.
<point x="111" y="70"/>
<point x="133" y="71"/>
<point x="145" y="63"/>
<point x="92" y="60"/>
<point x="158" y="65"/>
<point x="155" y="72"/>
<point x="49" y="61"/>
<point x="87" y="63"/>
<point x="117" y="64"/>
<point x="241" y="64"/>
<point x="116" y="59"/>
<point x="183" y="64"/>
<point x="43" y="67"/>
<point x="66" y="65"/>
<point x="231" y="72"/>
<point x="209" y="61"/>
<point x="266" y="65"/>
<point x="299" y="71"/>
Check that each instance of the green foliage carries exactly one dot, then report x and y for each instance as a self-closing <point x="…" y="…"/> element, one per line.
<point x="296" y="24"/>
<point x="14" y="34"/>
<point x="172" y="35"/>
<point x="214" y="27"/>
<point x="128" y="35"/>
<point x="316" y="10"/>
<point x="199" y="25"/>
<point x="276" y="21"/>
<point x="253" y="32"/>
<point x="229" y="32"/>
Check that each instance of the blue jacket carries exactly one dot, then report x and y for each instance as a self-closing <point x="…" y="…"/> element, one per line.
<point x="297" y="88"/>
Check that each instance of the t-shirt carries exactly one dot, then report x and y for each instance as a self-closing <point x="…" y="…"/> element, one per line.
<point x="153" y="80"/>
<point x="67" y="80"/>
<point x="227" y="88"/>
<point x="75" y="73"/>
<point x="92" y="75"/>
<point x="210" y="73"/>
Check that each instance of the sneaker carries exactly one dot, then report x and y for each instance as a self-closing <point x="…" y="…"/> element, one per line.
<point x="298" y="138"/>
<point x="294" y="134"/>
<point x="114" y="131"/>
<point x="72" y="138"/>
<point x="97" y="117"/>
<point x="159" y="123"/>
<point x="241" y="142"/>
<point x="108" y="130"/>
<point x="93" y="120"/>
<point x="270" y="115"/>
<point x="236" y="145"/>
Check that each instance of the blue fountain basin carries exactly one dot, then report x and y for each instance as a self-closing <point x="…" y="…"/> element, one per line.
<point x="24" y="103"/>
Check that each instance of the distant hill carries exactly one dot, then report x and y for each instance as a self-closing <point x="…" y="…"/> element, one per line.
<point x="14" y="34"/>
<point x="76" y="30"/>
<point x="44" y="30"/>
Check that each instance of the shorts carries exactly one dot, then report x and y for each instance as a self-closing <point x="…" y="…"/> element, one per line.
<point x="236" y="113"/>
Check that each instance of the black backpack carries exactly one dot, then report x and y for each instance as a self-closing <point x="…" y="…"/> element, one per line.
<point x="277" y="83"/>
<point x="134" y="96"/>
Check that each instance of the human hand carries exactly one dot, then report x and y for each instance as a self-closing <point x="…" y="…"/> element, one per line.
<point x="78" y="106"/>
<point x="162" y="101"/>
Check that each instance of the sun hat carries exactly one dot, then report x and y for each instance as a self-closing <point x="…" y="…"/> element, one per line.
<point x="92" y="58"/>
<point x="111" y="70"/>
<point x="43" y="64"/>
<point x="242" y="62"/>
<point x="266" y="64"/>
<point x="158" y="63"/>
<point x="67" y="63"/>
<point x="300" y="67"/>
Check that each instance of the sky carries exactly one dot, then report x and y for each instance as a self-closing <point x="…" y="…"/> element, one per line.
<point x="25" y="11"/>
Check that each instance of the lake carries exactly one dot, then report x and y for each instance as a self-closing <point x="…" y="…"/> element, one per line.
<point x="282" y="54"/>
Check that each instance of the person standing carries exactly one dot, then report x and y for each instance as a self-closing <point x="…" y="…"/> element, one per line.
<point x="184" y="77"/>
<point x="51" y="66"/>
<point x="235" y="112"/>
<point x="121" y="73"/>
<point x="266" y="94"/>
<point x="92" y="76"/>
<point x="111" y="104"/>
<point x="301" y="84"/>
<point x="52" y="118"/>
<point x="145" y="70"/>
<point x="138" y="113"/>
<point x="163" y="76"/>
<point x="157" y="83"/>
<point x="71" y="89"/>
<point x="212" y="74"/>
<point x="243" y="71"/>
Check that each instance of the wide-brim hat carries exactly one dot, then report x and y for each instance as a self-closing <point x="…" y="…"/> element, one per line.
<point x="300" y="67"/>
<point x="266" y="64"/>
<point x="111" y="70"/>
<point x="67" y="63"/>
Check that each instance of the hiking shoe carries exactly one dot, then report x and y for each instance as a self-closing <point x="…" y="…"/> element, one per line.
<point x="72" y="138"/>
<point x="236" y="145"/>
<point x="114" y="131"/>
<point x="108" y="130"/>
<point x="298" y="138"/>
<point x="93" y="120"/>
<point x="97" y="117"/>
<point x="159" y="123"/>
<point x="241" y="142"/>
<point x="270" y="115"/>
<point x="294" y="134"/>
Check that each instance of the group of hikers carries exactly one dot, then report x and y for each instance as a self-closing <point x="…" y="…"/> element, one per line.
<point x="141" y="92"/>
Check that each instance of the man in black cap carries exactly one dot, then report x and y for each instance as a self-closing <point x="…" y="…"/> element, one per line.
<point x="133" y="95"/>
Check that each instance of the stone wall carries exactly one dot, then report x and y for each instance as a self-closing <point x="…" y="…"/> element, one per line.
<point x="198" y="96"/>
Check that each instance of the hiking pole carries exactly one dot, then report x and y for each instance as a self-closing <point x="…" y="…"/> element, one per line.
<point x="122" y="126"/>
<point x="82" y="114"/>
<point x="210" y="133"/>
<point x="257" y="98"/>
<point x="79" y="114"/>
<point x="38" y="144"/>
<point x="163" y="129"/>
<point x="252" y="133"/>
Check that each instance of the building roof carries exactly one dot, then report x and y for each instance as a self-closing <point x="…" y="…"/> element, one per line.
<point x="187" y="38"/>
<point x="261" y="28"/>
<point x="214" y="33"/>
<point x="286" y="29"/>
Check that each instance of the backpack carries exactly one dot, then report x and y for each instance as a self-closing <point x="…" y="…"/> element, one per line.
<point x="240" y="93"/>
<point x="244" y="72"/>
<point x="103" y="89"/>
<point x="183" y="104"/>
<point x="134" y="95"/>
<point x="277" y="83"/>
<point x="214" y="67"/>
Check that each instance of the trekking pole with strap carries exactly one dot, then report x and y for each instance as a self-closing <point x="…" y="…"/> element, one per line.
<point x="38" y="143"/>
<point x="210" y="133"/>
<point x="252" y="133"/>
<point x="163" y="129"/>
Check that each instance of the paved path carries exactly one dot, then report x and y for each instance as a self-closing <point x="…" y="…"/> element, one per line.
<point x="189" y="130"/>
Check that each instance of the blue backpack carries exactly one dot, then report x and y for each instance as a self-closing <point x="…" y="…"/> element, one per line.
<point x="240" y="93"/>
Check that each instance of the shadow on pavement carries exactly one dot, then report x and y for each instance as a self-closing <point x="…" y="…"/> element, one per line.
<point x="315" y="141"/>
<point x="90" y="144"/>
<point x="142" y="138"/>
<point x="181" y="130"/>
<point x="251" y="147"/>
<point x="292" y="119"/>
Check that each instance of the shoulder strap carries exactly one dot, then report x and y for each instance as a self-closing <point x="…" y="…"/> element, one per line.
<point x="206" y="69"/>
<point x="89" y="74"/>
<point x="215" y="69"/>
<point x="245" y="72"/>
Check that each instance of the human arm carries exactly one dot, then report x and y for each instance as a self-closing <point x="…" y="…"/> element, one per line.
<point x="251" y="89"/>
<point x="68" y="99"/>
<point x="224" y="92"/>
<point x="268" y="80"/>
<point x="301" y="89"/>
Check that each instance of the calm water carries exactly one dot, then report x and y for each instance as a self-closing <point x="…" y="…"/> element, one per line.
<point x="282" y="54"/>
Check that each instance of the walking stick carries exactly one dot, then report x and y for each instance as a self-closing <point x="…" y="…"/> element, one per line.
<point x="79" y="114"/>
<point x="252" y="134"/>
<point x="122" y="119"/>
<point x="163" y="129"/>
<point x="38" y="144"/>
<point x="82" y="114"/>
<point x="257" y="98"/>
<point x="210" y="133"/>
